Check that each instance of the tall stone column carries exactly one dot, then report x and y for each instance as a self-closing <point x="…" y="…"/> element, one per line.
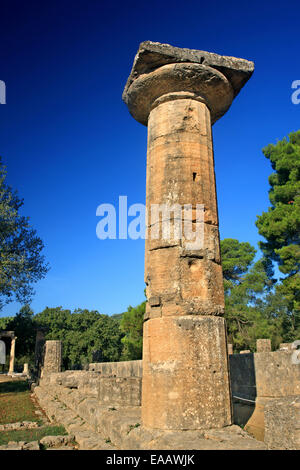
<point x="179" y="94"/>
<point x="12" y="355"/>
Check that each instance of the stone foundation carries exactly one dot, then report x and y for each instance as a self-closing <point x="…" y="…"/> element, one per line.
<point x="102" y="406"/>
<point x="73" y="398"/>
<point x="259" y="381"/>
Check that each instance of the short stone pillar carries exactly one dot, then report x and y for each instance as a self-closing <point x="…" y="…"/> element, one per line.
<point x="230" y="348"/>
<point x="12" y="355"/>
<point x="52" y="357"/>
<point x="263" y="345"/>
<point x="179" y="94"/>
<point x="25" y="369"/>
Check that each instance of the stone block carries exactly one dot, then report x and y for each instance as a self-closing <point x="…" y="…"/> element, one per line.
<point x="282" y="423"/>
<point x="185" y="381"/>
<point x="263" y="345"/>
<point x="124" y="391"/>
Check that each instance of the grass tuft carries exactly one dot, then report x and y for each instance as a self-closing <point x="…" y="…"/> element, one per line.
<point x="28" y="435"/>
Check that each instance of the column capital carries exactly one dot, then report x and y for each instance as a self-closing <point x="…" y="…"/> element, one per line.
<point x="162" y="70"/>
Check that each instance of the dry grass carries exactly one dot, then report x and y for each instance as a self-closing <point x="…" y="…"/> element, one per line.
<point x="16" y="406"/>
<point x="15" y="402"/>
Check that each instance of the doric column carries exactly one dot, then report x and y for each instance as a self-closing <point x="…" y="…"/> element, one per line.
<point x="178" y="94"/>
<point x="12" y="355"/>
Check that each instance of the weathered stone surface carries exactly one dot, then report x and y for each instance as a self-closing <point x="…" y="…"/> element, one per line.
<point x="120" y="391"/>
<point x="263" y="345"/>
<point x="161" y="68"/>
<point x="52" y="357"/>
<point x="185" y="382"/>
<point x="276" y="375"/>
<point x="228" y="438"/>
<point x="267" y="374"/>
<point x="12" y="445"/>
<point x="179" y="93"/>
<point x="120" y="428"/>
<point x="18" y="426"/>
<point x="85" y="381"/>
<point x="282" y="423"/>
<point x="261" y="378"/>
<point x="179" y="147"/>
<point x="57" y="441"/>
<point x="34" y="445"/>
<point x="285" y="347"/>
<point x="118" y="369"/>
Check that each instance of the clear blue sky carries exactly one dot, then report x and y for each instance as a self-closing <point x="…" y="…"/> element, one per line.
<point x="70" y="144"/>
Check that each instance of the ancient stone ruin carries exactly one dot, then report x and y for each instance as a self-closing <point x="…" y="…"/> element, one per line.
<point x="179" y="94"/>
<point x="189" y="388"/>
<point x="52" y="357"/>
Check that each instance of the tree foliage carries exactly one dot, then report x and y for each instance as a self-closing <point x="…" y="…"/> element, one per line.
<point x="280" y="225"/>
<point x="21" y="262"/>
<point x="244" y="283"/>
<point x="132" y="327"/>
<point x="83" y="333"/>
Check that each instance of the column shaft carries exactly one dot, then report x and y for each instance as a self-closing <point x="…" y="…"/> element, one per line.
<point x="12" y="356"/>
<point x="185" y="364"/>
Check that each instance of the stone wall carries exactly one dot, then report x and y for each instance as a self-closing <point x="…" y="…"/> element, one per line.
<point x="264" y="387"/>
<point x="266" y="374"/>
<point x="110" y="383"/>
<point x="282" y="423"/>
<point x="267" y="387"/>
<point x="276" y="374"/>
<point x="102" y="409"/>
<point x="118" y="369"/>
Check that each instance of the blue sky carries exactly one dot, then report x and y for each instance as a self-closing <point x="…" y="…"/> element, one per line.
<point x="70" y="144"/>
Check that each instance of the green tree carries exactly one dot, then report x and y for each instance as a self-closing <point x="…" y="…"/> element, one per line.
<point x="280" y="225"/>
<point x="25" y="329"/>
<point x="132" y="326"/>
<point x="246" y="286"/>
<point x="82" y="333"/>
<point x="236" y="259"/>
<point x="4" y="322"/>
<point x="21" y="262"/>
